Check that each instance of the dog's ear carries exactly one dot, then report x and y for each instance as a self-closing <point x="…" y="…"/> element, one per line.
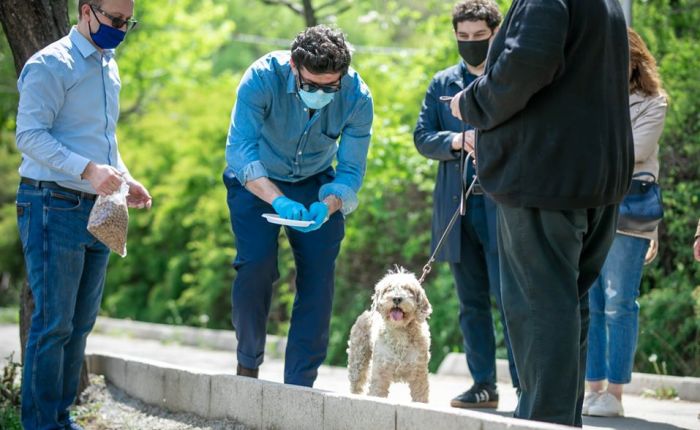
<point x="424" y="308"/>
<point x="378" y="291"/>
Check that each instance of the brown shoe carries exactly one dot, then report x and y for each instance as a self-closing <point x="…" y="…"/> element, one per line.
<point x="244" y="371"/>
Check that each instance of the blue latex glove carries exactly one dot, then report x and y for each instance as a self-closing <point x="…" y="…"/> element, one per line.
<point x="319" y="214"/>
<point x="289" y="209"/>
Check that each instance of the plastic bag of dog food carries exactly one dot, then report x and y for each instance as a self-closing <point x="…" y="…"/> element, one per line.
<point x="109" y="220"/>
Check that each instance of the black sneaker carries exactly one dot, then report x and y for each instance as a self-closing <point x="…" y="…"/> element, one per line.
<point x="478" y="396"/>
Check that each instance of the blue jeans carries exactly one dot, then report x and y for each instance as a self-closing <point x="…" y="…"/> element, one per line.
<point x="256" y="265"/>
<point x="477" y="279"/>
<point x="66" y="269"/>
<point x="612" y="334"/>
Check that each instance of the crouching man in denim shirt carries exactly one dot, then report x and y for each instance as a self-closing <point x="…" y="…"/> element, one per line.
<point x="290" y="113"/>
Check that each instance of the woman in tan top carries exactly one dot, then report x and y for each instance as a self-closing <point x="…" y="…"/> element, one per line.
<point x="612" y="334"/>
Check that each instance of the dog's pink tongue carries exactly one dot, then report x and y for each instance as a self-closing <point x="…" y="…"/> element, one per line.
<point x="396" y="314"/>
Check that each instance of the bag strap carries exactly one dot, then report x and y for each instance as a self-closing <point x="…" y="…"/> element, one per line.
<point x="640" y="174"/>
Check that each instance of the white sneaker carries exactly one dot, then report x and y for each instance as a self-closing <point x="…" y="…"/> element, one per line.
<point x="606" y="405"/>
<point x="588" y="400"/>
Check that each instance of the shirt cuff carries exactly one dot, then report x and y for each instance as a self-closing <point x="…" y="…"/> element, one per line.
<point x="75" y="165"/>
<point x="343" y="192"/>
<point x="251" y="172"/>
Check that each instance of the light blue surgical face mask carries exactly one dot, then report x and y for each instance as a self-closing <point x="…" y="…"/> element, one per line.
<point x="317" y="99"/>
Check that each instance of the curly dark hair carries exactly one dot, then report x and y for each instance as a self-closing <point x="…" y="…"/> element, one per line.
<point x="477" y="10"/>
<point x="321" y="50"/>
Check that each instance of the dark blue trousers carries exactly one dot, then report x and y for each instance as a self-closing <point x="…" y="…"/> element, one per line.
<point x="477" y="279"/>
<point x="256" y="265"/>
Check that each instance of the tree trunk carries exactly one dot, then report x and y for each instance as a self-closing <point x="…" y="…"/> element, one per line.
<point x="30" y="25"/>
<point x="310" y="14"/>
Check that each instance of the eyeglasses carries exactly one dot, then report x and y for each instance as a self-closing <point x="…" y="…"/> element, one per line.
<point x="312" y="88"/>
<point x="116" y="22"/>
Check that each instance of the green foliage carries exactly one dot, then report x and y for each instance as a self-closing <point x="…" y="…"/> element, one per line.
<point x="179" y="72"/>
<point x="10" y="396"/>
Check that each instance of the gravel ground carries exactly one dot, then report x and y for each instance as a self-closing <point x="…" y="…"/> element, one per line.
<point x="105" y="407"/>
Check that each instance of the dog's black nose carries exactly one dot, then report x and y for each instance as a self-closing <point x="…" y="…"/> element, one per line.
<point x="397" y="300"/>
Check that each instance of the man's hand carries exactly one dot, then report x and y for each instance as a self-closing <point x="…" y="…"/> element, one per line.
<point x="319" y="214"/>
<point x="651" y="251"/>
<point x="468" y="141"/>
<point x="290" y="209"/>
<point x="696" y="249"/>
<point x="104" y="179"/>
<point x="138" y="196"/>
<point x="454" y="105"/>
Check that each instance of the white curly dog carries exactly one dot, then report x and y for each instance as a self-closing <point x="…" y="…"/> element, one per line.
<point x="391" y="342"/>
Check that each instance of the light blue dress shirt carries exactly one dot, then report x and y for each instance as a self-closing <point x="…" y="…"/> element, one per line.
<point x="68" y="111"/>
<point x="273" y="134"/>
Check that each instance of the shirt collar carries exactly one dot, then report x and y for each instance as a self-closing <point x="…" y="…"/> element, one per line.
<point x="291" y="81"/>
<point x="457" y="74"/>
<point x="85" y="47"/>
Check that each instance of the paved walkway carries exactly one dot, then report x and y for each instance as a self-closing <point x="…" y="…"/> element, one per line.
<point x="642" y="413"/>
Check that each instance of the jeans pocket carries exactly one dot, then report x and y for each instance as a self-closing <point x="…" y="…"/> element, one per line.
<point x="63" y="201"/>
<point x="23" y="211"/>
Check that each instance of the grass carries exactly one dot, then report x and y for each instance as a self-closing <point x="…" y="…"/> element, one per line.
<point x="9" y="418"/>
<point x="9" y="396"/>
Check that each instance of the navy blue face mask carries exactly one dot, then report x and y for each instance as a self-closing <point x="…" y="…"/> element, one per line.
<point x="106" y="37"/>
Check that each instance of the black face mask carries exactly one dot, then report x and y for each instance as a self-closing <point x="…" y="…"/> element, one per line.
<point x="473" y="52"/>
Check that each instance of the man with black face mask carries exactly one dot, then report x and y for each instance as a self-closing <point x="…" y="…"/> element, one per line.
<point x="470" y="246"/>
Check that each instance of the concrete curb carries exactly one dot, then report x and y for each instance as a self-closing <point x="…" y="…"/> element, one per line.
<point x="270" y="405"/>
<point x="224" y="340"/>
<point x="454" y="364"/>
<point x="688" y="388"/>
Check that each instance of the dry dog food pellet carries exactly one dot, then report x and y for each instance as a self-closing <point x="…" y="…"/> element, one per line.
<point x="109" y="222"/>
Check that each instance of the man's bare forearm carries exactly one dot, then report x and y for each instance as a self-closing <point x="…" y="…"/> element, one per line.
<point x="264" y="189"/>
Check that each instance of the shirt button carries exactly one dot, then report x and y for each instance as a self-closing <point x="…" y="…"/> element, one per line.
<point x="454" y="198"/>
<point x="299" y="152"/>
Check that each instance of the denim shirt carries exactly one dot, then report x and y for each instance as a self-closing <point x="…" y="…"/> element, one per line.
<point x="273" y="134"/>
<point x="68" y="111"/>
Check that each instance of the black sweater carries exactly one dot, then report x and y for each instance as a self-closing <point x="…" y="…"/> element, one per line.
<point x="552" y="109"/>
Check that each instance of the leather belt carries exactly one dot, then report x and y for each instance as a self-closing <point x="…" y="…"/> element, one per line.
<point x="54" y="186"/>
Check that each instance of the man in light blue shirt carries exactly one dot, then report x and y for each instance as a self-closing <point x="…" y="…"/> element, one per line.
<point x="295" y="114"/>
<point x="66" y="132"/>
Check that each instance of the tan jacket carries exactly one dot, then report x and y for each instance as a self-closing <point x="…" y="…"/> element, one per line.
<point x="648" y="114"/>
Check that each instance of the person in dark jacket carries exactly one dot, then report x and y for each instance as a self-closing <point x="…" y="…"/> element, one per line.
<point x="470" y="247"/>
<point x="554" y="150"/>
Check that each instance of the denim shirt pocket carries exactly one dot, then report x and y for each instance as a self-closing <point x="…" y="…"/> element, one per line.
<point x="23" y="212"/>
<point x="320" y="142"/>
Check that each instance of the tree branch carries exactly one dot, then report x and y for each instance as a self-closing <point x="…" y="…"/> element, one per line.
<point x="295" y="7"/>
<point x="338" y="11"/>
<point x="331" y="3"/>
